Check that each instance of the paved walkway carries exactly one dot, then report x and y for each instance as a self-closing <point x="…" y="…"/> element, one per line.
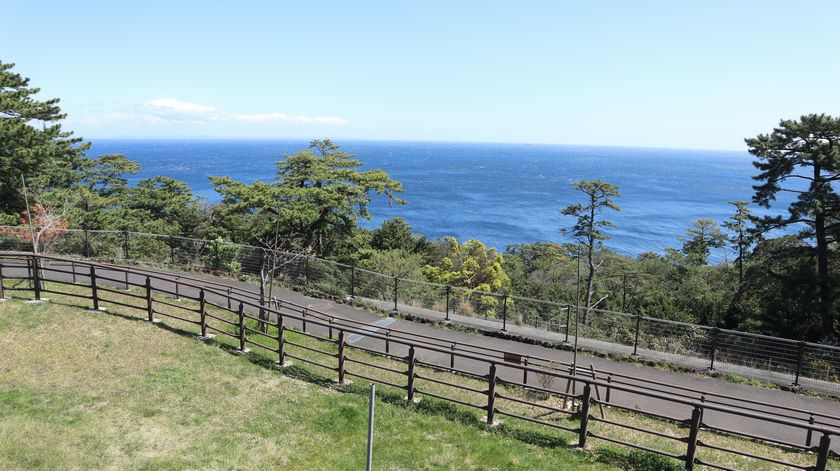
<point x="495" y="327"/>
<point x="725" y="392"/>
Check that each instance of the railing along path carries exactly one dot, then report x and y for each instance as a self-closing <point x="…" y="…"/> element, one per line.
<point x="404" y="347"/>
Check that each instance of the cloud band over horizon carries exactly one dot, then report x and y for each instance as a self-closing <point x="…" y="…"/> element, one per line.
<point x="174" y="111"/>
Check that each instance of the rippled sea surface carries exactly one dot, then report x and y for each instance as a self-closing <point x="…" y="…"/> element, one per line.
<point x="498" y="193"/>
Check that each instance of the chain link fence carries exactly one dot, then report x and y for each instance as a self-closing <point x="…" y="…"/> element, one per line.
<point x="782" y="361"/>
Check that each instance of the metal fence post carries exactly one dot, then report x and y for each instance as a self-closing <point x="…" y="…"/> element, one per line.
<point x="341" y="357"/>
<point x="568" y="317"/>
<point x="799" y="356"/>
<point x="504" y="313"/>
<point x="696" y="422"/>
<point x="809" y="434"/>
<point x="87" y="243"/>
<point x="353" y="282"/>
<point x="491" y="395"/>
<point x="387" y="342"/>
<point x="306" y="271"/>
<point x="330" y="321"/>
<point x="448" y="292"/>
<point x="583" y="432"/>
<point x="396" y="282"/>
<point x="822" y="452"/>
<point x="125" y="244"/>
<point x="172" y="250"/>
<point x="410" y="386"/>
<point x="202" y="312"/>
<point x="715" y="331"/>
<point x="73" y="269"/>
<point x="93" y="288"/>
<point x="636" y="341"/>
<point x="150" y="309"/>
<point x="36" y="277"/>
<point x="452" y="356"/>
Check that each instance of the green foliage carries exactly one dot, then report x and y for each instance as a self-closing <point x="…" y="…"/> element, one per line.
<point x="473" y="266"/>
<point x="32" y="142"/>
<point x="101" y="189"/>
<point x="741" y="236"/>
<point x="395" y="262"/>
<point x="803" y="156"/>
<point x="318" y="194"/>
<point x="703" y="235"/>
<point x="223" y="256"/>
<point x="393" y="234"/>
<point x="590" y="227"/>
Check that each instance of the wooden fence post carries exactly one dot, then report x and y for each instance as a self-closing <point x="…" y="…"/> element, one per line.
<point x="491" y="395"/>
<point x="341" y="357"/>
<point x="36" y="277"/>
<point x="149" y="307"/>
<point x="281" y="343"/>
<point x="696" y="421"/>
<point x="202" y="311"/>
<point x="2" y="291"/>
<point x="242" y="348"/>
<point x="822" y="453"/>
<point x="410" y="386"/>
<point x="583" y="432"/>
<point x="94" y="289"/>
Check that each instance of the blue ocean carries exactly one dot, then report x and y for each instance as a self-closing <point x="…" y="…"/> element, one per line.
<point x="501" y="194"/>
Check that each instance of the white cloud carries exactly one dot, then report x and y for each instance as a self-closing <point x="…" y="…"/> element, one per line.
<point x="168" y="109"/>
<point x="177" y="106"/>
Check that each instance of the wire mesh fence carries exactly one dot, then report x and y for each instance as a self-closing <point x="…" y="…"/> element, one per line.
<point x="778" y="360"/>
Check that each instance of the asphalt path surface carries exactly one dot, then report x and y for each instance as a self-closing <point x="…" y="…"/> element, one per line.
<point x="775" y="402"/>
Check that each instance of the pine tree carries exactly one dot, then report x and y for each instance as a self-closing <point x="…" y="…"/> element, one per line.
<point x="32" y="142"/>
<point x="803" y="157"/>
<point x="589" y="229"/>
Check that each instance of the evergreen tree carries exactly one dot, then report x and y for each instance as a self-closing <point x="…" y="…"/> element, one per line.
<point x="703" y="235"/>
<point x="318" y="193"/>
<point x="590" y="227"/>
<point x="803" y="157"/>
<point x="32" y="142"/>
<point x="741" y="239"/>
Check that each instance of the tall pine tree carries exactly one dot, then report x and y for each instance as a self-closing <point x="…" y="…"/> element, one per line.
<point x="32" y="142"/>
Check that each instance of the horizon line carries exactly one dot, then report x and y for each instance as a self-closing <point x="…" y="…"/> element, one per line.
<point x="440" y="141"/>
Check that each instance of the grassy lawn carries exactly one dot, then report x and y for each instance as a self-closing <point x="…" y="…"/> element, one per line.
<point x="83" y="390"/>
<point x="97" y="390"/>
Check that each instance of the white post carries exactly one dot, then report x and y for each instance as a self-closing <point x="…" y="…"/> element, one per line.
<point x="370" y="427"/>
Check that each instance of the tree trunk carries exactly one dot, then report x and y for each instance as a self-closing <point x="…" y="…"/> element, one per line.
<point x="590" y="277"/>
<point x="826" y="304"/>
<point x="590" y="285"/>
<point x="263" y="278"/>
<point x="826" y="311"/>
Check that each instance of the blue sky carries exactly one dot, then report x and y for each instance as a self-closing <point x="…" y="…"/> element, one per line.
<point x="635" y="73"/>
